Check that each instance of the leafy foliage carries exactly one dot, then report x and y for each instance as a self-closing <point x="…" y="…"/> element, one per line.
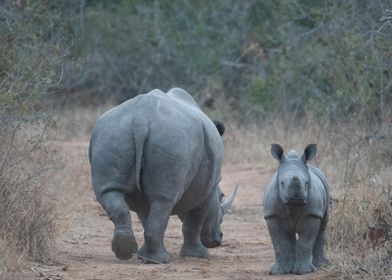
<point x="295" y="57"/>
<point x="32" y="49"/>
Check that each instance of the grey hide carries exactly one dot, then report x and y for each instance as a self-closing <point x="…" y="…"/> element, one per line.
<point x="158" y="154"/>
<point x="296" y="212"/>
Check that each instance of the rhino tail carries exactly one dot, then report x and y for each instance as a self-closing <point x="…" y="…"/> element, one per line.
<point x="90" y="149"/>
<point x="140" y="133"/>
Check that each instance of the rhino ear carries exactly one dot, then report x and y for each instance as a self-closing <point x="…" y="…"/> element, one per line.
<point x="310" y="152"/>
<point x="220" y="126"/>
<point x="277" y="151"/>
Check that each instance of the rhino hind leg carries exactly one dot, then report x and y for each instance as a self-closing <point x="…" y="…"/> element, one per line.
<point x="124" y="244"/>
<point x="283" y="242"/>
<point x="191" y="230"/>
<point x="155" y="224"/>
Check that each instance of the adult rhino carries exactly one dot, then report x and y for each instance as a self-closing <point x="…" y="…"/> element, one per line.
<point x="296" y="202"/>
<point x="158" y="154"/>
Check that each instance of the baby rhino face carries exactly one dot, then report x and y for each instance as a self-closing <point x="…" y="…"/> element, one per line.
<point x="293" y="180"/>
<point x="293" y="174"/>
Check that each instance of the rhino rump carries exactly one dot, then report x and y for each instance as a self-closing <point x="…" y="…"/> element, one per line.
<point x="156" y="133"/>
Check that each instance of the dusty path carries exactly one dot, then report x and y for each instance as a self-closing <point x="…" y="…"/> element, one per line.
<point x="84" y="250"/>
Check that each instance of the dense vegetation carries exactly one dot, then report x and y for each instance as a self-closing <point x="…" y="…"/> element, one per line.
<point x="293" y="57"/>
<point x="294" y="61"/>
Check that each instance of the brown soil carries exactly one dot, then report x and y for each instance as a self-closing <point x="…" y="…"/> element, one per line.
<point x="84" y="245"/>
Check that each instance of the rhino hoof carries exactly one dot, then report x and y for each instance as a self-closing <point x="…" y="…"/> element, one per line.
<point x="124" y="244"/>
<point x="304" y="268"/>
<point x="280" y="269"/>
<point x="198" y="252"/>
<point x="320" y="262"/>
<point x="156" y="257"/>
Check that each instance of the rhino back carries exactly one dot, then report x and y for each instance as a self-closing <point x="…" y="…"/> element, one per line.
<point x="322" y="188"/>
<point x="322" y="178"/>
<point x="318" y="200"/>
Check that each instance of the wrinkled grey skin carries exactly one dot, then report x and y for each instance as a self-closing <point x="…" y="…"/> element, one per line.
<point x="158" y="154"/>
<point x="296" y="202"/>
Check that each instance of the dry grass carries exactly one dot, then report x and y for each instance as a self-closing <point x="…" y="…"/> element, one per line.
<point x="30" y="175"/>
<point x="27" y="217"/>
<point x="358" y="165"/>
<point x="77" y="122"/>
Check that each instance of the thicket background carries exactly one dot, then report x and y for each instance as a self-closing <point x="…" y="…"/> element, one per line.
<point x="294" y="58"/>
<point x="253" y="64"/>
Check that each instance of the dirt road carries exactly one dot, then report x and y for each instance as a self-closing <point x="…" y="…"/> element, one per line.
<point x="84" y="245"/>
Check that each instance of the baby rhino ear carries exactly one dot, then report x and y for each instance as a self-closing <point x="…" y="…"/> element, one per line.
<point x="277" y="151"/>
<point x="310" y="152"/>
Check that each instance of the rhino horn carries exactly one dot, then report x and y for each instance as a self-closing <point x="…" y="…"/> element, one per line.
<point x="227" y="203"/>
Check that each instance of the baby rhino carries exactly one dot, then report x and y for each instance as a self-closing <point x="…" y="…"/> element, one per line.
<point x="296" y="211"/>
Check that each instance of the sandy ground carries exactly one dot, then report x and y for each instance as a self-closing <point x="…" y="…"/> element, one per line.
<point x="84" y="245"/>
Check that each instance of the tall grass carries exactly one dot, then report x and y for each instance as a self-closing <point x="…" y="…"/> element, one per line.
<point x="27" y="218"/>
<point x="77" y="122"/>
<point x="357" y="161"/>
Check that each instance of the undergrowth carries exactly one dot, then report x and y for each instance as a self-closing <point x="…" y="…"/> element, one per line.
<point x="27" y="225"/>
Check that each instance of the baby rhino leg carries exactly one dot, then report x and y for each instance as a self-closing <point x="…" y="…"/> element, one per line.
<point x="308" y="232"/>
<point x="319" y="258"/>
<point x="284" y="245"/>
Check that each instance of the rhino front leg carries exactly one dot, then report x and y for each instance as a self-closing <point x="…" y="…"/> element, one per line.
<point x="284" y="245"/>
<point x="191" y="230"/>
<point x="153" y="250"/>
<point x="124" y="243"/>
<point x="308" y="232"/>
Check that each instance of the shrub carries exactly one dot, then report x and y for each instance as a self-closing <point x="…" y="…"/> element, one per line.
<point x="31" y="54"/>
<point x="26" y="221"/>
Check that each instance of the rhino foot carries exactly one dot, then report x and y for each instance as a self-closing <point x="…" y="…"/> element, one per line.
<point x="194" y="251"/>
<point x="156" y="257"/>
<point x="303" y="268"/>
<point x="124" y="244"/>
<point x="280" y="269"/>
<point x="318" y="262"/>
